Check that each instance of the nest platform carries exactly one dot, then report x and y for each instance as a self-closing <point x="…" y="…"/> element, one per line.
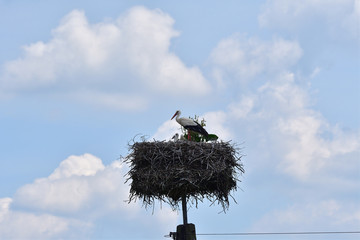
<point x="167" y="171"/>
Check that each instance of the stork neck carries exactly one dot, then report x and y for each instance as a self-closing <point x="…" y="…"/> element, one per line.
<point x="178" y="116"/>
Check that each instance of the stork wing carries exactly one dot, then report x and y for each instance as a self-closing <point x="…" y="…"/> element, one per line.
<point x="198" y="128"/>
<point x="187" y="122"/>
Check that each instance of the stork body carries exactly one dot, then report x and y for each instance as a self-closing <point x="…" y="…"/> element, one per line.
<point x="190" y="124"/>
<point x="175" y="137"/>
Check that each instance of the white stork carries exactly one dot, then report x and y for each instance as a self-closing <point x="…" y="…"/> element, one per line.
<point x="190" y="125"/>
<point x="175" y="137"/>
<point x="178" y="137"/>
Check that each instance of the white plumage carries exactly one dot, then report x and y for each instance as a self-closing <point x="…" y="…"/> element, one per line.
<point x="178" y="137"/>
<point x="190" y="124"/>
<point x="175" y="137"/>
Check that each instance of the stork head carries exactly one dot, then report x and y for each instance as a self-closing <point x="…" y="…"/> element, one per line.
<point x="176" y="113"/>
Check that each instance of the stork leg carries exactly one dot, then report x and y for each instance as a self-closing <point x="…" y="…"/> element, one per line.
<point x="189" y="135"/>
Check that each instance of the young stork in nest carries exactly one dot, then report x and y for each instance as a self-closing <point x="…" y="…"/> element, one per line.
<point x="190" y="125"/>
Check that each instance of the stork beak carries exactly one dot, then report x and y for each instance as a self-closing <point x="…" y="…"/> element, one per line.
<point x="174" y="115"/>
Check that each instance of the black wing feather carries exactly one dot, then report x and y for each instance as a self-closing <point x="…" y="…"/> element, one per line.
<point x="197" y="128"/>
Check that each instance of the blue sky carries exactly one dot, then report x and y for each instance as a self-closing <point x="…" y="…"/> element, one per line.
<point x="80" y="79"/>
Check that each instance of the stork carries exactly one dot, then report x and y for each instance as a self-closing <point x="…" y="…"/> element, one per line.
<point x="190" y="125"/>
<point x="178" y="137"/>
<point x="175" y="137"/>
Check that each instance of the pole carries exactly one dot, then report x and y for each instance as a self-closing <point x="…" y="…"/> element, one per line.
<point x="184" y="210"/>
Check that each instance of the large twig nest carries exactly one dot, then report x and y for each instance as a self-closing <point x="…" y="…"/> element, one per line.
<point x="169" y="170"/>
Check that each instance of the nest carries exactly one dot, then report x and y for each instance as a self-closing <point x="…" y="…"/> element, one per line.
<point x="168" y="171"/>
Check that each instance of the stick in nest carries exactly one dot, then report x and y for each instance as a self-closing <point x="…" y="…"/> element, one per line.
<point x="166" y="171"/>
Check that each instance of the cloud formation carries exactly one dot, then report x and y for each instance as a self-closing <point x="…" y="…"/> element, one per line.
<point x="312" y="217"/>
<point x="278" y="105"/>
<point x="330" y="17"/>
<point x="107" y="61"/>
<point x="77" y="193"/>
<point x="79" y="184"/>
<point x="284" y="137"/>
<point x="27" y="225"/>
<point x="244" y="58"/>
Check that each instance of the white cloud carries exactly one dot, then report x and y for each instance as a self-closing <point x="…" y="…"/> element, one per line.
<point x="325" y="215"/>
<point x="108" y="61"/>
<point x="308" y="150"/>
<point x="167" y="130"/>
<point x="242" y="108"/>
<point x="351" y="21"/>
<point x="148" y="36"/>
<point x="277" y="113"/>
<point x="84" y="165"/>
<point x="69" y="202"/>
<point x="302" y="143"/>
<point x="4" y="207"/>
<point x="331" y="16"/>
<point x="285" y="139"/>
<point x="315" y="72"/>
<point x="311" y="144"/>
<point x="245" y="58"/>
<point x="25" y="225"/>
<point x="216" y="124"/>
<point x="74" y="185"/>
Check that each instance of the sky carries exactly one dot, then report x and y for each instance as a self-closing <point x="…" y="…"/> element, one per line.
<point x="79" y="80"/>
